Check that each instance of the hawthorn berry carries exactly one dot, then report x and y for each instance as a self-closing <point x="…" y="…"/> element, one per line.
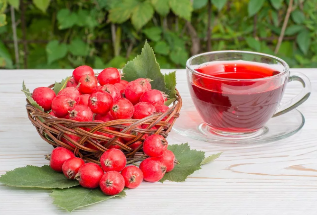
<point x="122" y="109"/>
<point x="120" y="87"/>
<point x="113" y="160"/>
<point x="135" y="89"/>
<point x="83" y="99"/>
<point x="124" y="82"/>
<point x="142" y="110"/>
<point x="100" y="102"/>
<point x="87" y="84"/>
<point x="111" y="90"/>
<point x="81" y="71"/>
<point x="89" y="175"/>
<point x="71" y="136"/>
<point x="70" y="92"/>
<point x="155" y="145"/>
<point x="44" y="97"/>
<point x="133" y="176"/>
<point x="153" y="170"/>
<point x="61" y="105"/>
<point x="167" y="159"/>
<point x="106" y="117"/>
<point x="111" y="183"/>
<point x="161" y="108"/>
<point x="71" y="166"/>
<point x="135" y="145"/>
<point x="58" y="156"/>
<point x="52" y="114"/>
<point x="109" y="76"/>
<point x="71" y="83"/>
<point x="81" y="113"/>
<point x="155" y="97"/>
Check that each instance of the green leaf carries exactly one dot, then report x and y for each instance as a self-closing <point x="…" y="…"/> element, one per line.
<point x="210" y="158"/>
<point x="4" y="53"/>
<point x="122" y="11"/>
<point x="78" y="197"/>
<point x="277" y="3"/>
<point x="161" y="47"/>
<point x="145" y="66"/>
<point x="179" y="56"/>
<point x="161" y="6"/>
<point x="86" y="19"/>
<point x="189" y="161"/>
<point x="298" y="16"/>
<point x="183" y="9"/>
<point x="55" y="51"/>
<point x="142" y="14"/>
<point x="3" y="20"/>
<point x="253" y="44"/>
<point x="78" y="47"/>
<point x="170" y="83"/>
<point x="294" y="29"/>
<point x="275" y="18"/>
<point x="41" y="4"/>
<point x="66" y="19"/>
<point x="3" y="6"/>
<point x="153" y="33"/>
<point x="28" y="95"/>
<point x="58" y="86"/>
<point x="219" y="3"/>
<point x="254" y="6"/>
<point x="170" y="101"/>
<point x="117" y="62"/>
<point x="37" y="177"/>
<point x="197" y="4"/>
<point x="14" y="3"/>
<point x="303" y="40"/>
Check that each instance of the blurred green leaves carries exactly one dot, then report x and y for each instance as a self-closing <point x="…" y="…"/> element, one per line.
<point x="42" y="4"/>
<point x="55" y="51"/>
<point x="254" y="6"/>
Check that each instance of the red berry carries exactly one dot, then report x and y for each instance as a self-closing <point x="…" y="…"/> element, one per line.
<point x="58" y="157"/>
<point x="106" y="117"/>
<point x="120" y="87"/>
<point x="83" y="99"/>
<point x="155" y="145"/>
<point x="168" y="160"/>
<point x="89" y="175"/>
<point x="155" y="97"/>
<point x="70" y="92"/>
<point x="81" y="113"/>
<point x="143" y="109"/>
<point x="61" y="105"/>
<point x="71" y="167"/>
<point x="109" y="76"/>
<point x="111" y="90"/>
<point x="124" y="82"/>
<point x="161" y="108"/>
<point x="135" y="145"/>
<point x="135" y="89"/>
<point x="111" y="183"/>
<point x="87" y="84"/>
<point x="71" y="136"/>
<point x="100" y="102"/>
<point x="133" y="176"/>
<point x="153" y="170"/>
<point x="52" y="114"/>
<point x="44" y="97"/>
<point x="71" y="83"/>
<point x="81" y="71"/>
<point x="113" y="160"/>
<point x="122" y="109"/>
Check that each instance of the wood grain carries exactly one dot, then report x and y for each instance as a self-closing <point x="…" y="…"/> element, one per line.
<point x="275" y="178"/>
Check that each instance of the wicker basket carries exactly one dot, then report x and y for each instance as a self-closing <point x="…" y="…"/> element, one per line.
<point x="52" y="130"/>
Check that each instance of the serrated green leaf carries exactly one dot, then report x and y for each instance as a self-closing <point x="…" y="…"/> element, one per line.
<point x="58" y="86"/>
<point x="37" y="177"/>
<point x="3" y="20"/>
<point x="78" y="47"/>
<point x="66" y="19"/>
<point x="4" y="53"/>
<point x="254" y="6"/>
<point x="169" y="101"/>
<point x="78" y="197"/>
<point x="14" y="3"/>
<point x="303" y="40"/>
<point x="170" y="83"/>
<point x="122" y="11"/>
<point x="253" y="44"/>
<point x="142" y="14"/>
<point x="219" y="3"/>
<point x="162" y="48"/>
<point x="145" y="66"/>
<point x="197" y="4"/>
<point x="210" y="158"/>
<point x="153" y="33"/>
<point x="29" y="97"/>
<point x="298" y="16"/>
<point x="277" y="3"/>
<point x="161" y="6"/>
<point x="183" y="9"/>
<point x="294" y="29"/>
<point x="55" y="51"/>
<point x="189" y="161"/>
<point x="42" y="4"/>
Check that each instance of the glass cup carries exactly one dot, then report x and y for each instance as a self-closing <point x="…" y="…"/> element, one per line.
<point x="237" y="92"/>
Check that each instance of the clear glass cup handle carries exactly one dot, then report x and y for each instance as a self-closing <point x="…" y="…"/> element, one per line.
<point x="300" y="98"/>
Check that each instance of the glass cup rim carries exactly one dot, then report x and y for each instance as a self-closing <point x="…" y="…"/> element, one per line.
<point x="285" y="65"/>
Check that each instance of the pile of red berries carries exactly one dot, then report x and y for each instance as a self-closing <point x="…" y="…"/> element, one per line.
<point x="114" y="175"/>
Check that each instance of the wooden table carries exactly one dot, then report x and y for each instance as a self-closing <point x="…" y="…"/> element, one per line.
<point x="276" y="178"/>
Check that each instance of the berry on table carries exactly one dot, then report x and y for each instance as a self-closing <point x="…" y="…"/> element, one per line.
<point x="87" y="84"/>
<point x="58" y="157"/>
<point x="81" y="113"/>
<point x="142" y="110"/>
<point x="133" y="176"/>
<point x="61" y="105"/>
<point x="44" y="97"/>
<point x="83" y="99"/>
<point x="113" y="160"/>
<point x="122" y="109"/>
<point x="109" y="76"/>
<point x="155" y="97"/>
<point x="89" y="175"/>
<point x="167" y="159"/>
<point x="155" y="145"/>
<point x="71" y="167"/>
<point x="81" y="71"/>
<point x="111" y="183"/>
<point x="153" y="170"/>
<point x="71" y="83"/>
<point x="136" y="88"/>
<point x="70" y="92"/>
<point x="100" y="102"/>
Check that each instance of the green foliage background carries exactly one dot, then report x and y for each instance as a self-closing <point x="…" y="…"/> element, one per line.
<point x="102" y="33"/>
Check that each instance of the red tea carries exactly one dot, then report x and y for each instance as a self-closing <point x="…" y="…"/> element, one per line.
<point x="231" y="105"/>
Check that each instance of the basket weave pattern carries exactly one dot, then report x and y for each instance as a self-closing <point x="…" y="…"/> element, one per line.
<point x="53" y="130"/>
